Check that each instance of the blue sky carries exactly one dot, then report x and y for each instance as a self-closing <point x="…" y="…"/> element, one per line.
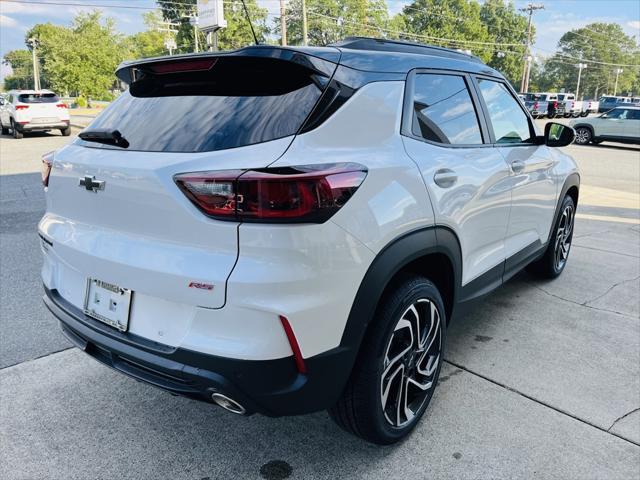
<point x="558" y="17"/>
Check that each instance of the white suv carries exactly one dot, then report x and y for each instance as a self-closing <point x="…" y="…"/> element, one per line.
<point x="286" y="230"/>
<point x="33" y="111"/>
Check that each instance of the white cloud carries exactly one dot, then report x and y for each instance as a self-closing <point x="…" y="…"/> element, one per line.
<point x="634" y="24"/>
<point x="7" y="22"/>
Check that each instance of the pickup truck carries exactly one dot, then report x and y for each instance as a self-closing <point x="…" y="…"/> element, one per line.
<point x="544" y="104"/>
<point x="572" y="107"/>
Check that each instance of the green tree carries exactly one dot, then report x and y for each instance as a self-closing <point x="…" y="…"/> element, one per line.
<point x="22" y="70"/>
<point x="331" y="20"/>
<point x="506" y="26"/>
<point x="601" y="46"/>
<point x="80" y="59"/>
<point x="431" y="21"/>
<point x="237" y="33"/>
<point x="149" y="43"/>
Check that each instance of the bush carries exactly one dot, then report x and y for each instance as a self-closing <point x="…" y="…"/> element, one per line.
<point x="81" y="102"/>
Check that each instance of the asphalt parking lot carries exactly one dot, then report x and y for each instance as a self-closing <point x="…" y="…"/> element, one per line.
<point x="541" y="381"/>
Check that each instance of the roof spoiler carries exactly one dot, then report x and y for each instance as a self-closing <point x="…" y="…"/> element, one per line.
<point x="322" y="62"/>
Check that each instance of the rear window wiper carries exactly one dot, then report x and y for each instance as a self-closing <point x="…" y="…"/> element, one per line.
<point x="106" y="136"/>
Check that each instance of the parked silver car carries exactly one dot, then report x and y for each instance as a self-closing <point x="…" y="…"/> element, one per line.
<point x="622" y="124"/>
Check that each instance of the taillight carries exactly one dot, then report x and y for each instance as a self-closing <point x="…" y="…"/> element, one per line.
<point x="61" y="105"/>
<point x="555" y="104"/>
<point x="535" y="106"/>
<point x="47" y="163"/>
<point x="22" y="107"/>
<point x="300" y="194"/>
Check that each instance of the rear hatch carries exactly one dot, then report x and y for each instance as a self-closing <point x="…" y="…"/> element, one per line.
<point x="40" y="108"/>
<point x="138" y="230"/>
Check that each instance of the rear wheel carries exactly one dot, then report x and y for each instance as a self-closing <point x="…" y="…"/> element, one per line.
<point x="398" y="368"/>
<point x="65" y="131"/>
<point x="583" y="135"/>
<point x="17" y="134"/>
<point x="5" y="130"/>
<point x="555" y="257"/>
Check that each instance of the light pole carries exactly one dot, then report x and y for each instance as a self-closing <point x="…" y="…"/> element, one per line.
<point x="34" y="43"/>
<point x="305" y="34"/>
<point x="283" y="22"/>
<point x="579" y="66"/>
<point x="524" y="85"/>
<point x="170" y="44"/>
<point x="194" y="23"/>
<point x="617" y="71"/>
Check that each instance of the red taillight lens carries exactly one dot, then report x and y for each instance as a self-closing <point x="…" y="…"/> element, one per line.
<point x="555" y="104"/>
<point x="22" y="107"/>
<point x="535" y="106"/>
<point x="61" y="105"/>
<point x="301" y="194"/>
<point x="47" y="163"/>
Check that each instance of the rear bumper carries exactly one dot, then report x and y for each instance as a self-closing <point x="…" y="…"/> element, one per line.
<point x="270" y="387"/>
<point x="34" y="127"/>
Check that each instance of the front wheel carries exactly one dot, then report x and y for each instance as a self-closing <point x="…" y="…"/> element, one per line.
<point x="398" y="367"/>
<point x="65" y="131"/>
<point x="555" y="257"/>
<point x="583" y="135"/>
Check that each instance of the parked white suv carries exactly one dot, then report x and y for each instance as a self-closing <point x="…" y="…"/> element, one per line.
<point x="286" y="230"/>
<point x="33" y="111"/>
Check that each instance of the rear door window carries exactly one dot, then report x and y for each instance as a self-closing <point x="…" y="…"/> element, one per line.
<point x="443" y="111"/>
<point x="509" y="122"/>
<point x="237" y="101"/>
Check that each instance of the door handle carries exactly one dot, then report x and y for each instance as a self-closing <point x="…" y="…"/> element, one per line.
<point x="517" y="166"/>
<point x="445" y="178"/>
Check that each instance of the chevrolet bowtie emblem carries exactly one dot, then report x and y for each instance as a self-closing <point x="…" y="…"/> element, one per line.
<point x="91" y="184"/>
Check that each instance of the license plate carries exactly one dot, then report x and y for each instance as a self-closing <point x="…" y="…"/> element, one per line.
<point x="108" y="303"/>
<point x="45" y="120"/>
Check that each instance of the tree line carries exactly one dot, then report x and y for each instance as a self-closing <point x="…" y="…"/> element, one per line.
<point x="79" y="59"/>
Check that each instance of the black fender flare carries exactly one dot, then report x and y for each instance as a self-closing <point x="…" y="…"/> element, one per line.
<point x="388" y="262"/>
<point x="572" y="180"/>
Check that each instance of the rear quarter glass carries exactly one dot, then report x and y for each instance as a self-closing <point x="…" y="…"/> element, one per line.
<point x="234" y="103"/>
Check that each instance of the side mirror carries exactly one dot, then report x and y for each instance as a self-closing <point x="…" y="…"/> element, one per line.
<point x="558" y="135"/>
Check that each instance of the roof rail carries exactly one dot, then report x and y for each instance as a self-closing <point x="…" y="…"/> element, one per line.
<point x="401" y="46"/>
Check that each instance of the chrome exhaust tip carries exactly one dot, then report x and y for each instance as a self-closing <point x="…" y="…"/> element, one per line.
<point x="228" y="404"/>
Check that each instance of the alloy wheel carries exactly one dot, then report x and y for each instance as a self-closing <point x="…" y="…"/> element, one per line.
<point x="411" y="362"/>
<point x="563" y="237"/>
<point x="582" y="136"/>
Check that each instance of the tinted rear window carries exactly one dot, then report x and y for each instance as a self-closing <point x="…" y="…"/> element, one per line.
<point x="38" y="98"/>
<point x="237" y="102"/>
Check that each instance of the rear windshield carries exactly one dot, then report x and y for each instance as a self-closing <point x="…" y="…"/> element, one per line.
<point x="38" y="98"/>
<point x="608" y="99"/>
<point x="233" y="102"/>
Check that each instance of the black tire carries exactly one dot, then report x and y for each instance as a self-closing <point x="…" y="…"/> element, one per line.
<point x="17" y="134"/>
<point x="583" y="135"/>
<point x="553" y="262"/>
<point x="360" y="409"/>
<point x="65" y="131"/>
<point x="584" y="114"/>
<point x="3" y="129"/>
<point x="551" y="115"/>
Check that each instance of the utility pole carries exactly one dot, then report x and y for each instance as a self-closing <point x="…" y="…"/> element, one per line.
<point x="617" y="71"/>
<point x="524" y="85"/>
<point x="305" y="40"/>
<point x="34" y="43"/>
<point x="194" y="23"/>
<point x="283" y="22"/>
<point x="580" y="66"/>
